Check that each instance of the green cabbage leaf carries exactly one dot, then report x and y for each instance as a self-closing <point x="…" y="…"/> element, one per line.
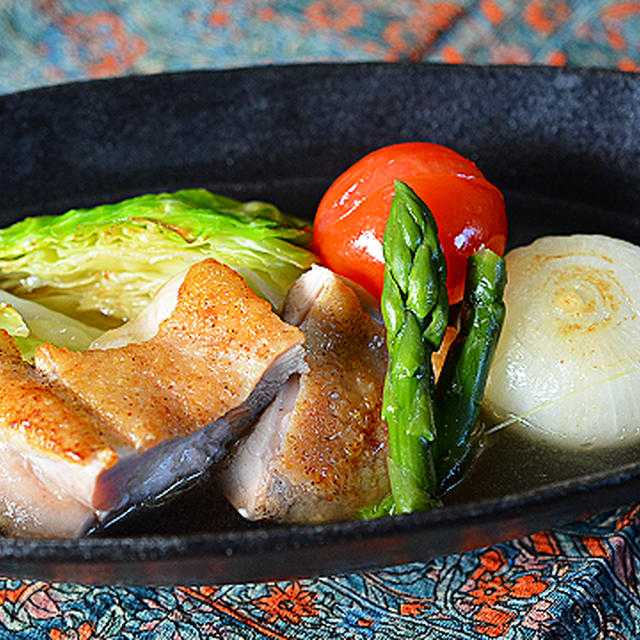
<point x="31" y="324"/>
<point x="111" y="259"/>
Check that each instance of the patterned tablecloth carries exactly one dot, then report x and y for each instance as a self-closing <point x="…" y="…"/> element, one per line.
<point x="577" y="581"/>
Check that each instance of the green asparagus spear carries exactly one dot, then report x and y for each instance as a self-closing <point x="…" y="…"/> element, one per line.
<point x="460" y="388"/>
<point x="415" y="308"/>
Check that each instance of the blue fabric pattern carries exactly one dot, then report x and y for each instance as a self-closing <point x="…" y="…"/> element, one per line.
<point x="52" y="41"/>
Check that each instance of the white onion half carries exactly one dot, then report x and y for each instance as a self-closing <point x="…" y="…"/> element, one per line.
<point x="568" y="360"/>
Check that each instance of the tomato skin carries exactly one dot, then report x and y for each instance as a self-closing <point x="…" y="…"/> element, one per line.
<point x="349" y="225"/>
<point x="379" y="168"/>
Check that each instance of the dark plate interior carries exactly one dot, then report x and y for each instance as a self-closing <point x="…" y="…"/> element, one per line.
<point x="563" y="145"/>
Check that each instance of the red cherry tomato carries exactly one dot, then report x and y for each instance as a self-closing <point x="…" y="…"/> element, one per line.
<point x="351" y="218"/>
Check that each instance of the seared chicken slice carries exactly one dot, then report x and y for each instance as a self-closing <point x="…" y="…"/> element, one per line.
<point x="111" y="427"/>
<point x="319" y="451"/>
<point x="30" y="505"/>
<point x="205" y="358"/>
<point x="46" y="433"/>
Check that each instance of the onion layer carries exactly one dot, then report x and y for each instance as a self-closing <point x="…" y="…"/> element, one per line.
<point x="568" y="360"/>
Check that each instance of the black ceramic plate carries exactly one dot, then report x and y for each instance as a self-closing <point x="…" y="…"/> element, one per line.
<point x="563" y="145"/>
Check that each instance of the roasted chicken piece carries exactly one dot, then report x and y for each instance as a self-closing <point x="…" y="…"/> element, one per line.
<point x="319" y="451"/>
<point x="113" y="426"/>
<point x="204" y="359"/>
<point x="52" y="449"/>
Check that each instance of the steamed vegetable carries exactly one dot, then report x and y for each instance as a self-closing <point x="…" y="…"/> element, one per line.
<point x="462" y="381"/>
<point x="31" y="324"/>
<point x="415" y="308"/>
<point x="567" y="367"/>
<point x="432" y="432"/>
<point x="113" y="258"/>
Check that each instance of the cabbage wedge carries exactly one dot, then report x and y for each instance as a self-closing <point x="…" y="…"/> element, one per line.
<point x="32" y="324"/>
<point x="112" y="258"/>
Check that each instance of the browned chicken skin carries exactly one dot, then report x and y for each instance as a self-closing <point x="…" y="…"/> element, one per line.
<point x="319" y="451"/>
<point x="101" y="428"/>
<point x="42" y="418"/>
<point x="205" y="359"/>
<point x="41" y="426"/>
